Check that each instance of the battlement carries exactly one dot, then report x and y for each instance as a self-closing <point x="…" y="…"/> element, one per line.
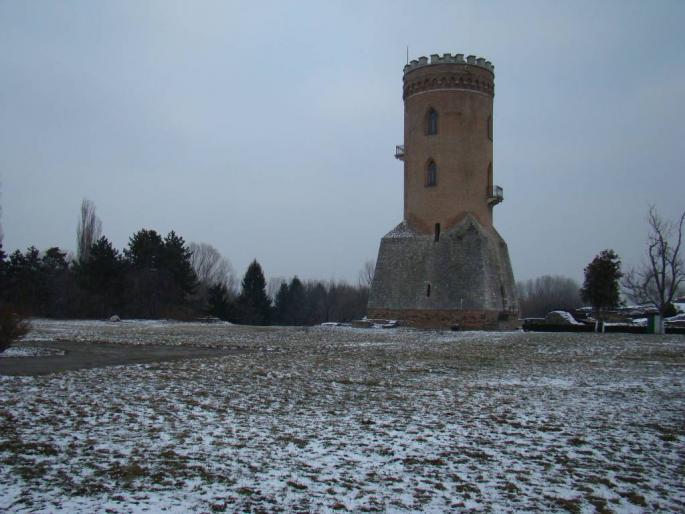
<point x="471" y="60"/>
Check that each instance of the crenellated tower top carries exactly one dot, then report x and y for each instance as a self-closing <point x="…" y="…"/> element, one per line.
<point x="449" y="72"/>
<point x="471" y="60"/>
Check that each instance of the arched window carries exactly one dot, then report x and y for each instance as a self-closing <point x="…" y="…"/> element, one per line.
<point x="432" y="122"/>
<point x="437" y="232"/>
<point x="490" y="127"/>
<point x="428" y="290"/>
<point x="431" y="174"/>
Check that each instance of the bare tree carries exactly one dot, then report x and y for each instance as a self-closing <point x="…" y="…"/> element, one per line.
<point x="273" y="285"/>
<point x="541" y="295"/>
<point x="366" y="273"/>
<point x="88" y="230"/>
<point x="659" y="278"/>
<point x="211" y="267"/>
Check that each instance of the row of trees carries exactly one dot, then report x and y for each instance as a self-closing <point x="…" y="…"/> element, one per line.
<point x="295" y="302"/>
<point x="548" y="293"/>
<point x="161" y="276"/>
<point x="152" y="278"/>
<point x="155" y="277"/>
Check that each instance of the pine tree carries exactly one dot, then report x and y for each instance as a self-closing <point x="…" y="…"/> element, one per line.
<point x="219" y="302"/>
<point x="175" y="260"/>
<point x="317" y="302"/>
<point x="145" y="291"/>
<point x="253" y="304"/>
<point x="291" y="306"/>
<point x="281" y="304"/>
<point x="24" y="278"/>
<point x="297" y="304"/>
<point x="162" y="276"/>
<point x="601" y="286"/>
<point x="102" y="276"/>
<point x="54" y="283"/>
<point x="144" y="249"/>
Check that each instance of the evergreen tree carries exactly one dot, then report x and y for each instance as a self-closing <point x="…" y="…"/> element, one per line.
<point x="281" y="304"/>
<point x="175" y="260"/>
<point x="144" y="285"/>
<point x="317" y="304"/>
<point x="54" y="260"/>
<point x="23" y="279"/>
<point x="102" y="276"/>
<point x="601" y="286"/>
<point x="104" y="268"/>
<point x="144" y="249"/>
<point x="219" y="300"/>
<point x="54" y="282"/>
<point x="291" y="306"/>
<point x="254" y="306"/>
<point x="162" y="276"/>
<point x="297" y="303"/>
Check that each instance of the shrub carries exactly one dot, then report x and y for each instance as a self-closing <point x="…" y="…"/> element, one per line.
<point x="12" y="327"/>
<point x="670" y="310"/>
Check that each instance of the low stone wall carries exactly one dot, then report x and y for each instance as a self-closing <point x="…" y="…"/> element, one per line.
<point x="445" y="318"/>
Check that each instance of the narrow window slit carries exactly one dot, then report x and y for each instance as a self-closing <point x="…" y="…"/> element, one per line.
<point x="432" y="123"/>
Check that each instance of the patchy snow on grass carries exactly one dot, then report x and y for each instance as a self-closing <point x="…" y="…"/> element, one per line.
<point x="25" y="351"/>
<point x="330" y="419"/>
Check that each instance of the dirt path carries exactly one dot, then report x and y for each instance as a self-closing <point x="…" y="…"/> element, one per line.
<point x="79" y="355"/>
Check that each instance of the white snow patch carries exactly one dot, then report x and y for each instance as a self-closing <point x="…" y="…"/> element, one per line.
<point x="312" y="419"/>
<point x="28" y="351"/>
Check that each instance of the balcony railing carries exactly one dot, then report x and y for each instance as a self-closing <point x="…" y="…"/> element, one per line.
<point x="496" y="195"/>
<point x="399" y="152"/>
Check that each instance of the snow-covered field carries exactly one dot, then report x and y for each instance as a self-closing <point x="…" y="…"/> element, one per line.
<point x="334" y="418"/>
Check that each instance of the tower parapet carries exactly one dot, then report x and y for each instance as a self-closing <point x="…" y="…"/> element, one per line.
<point x="450" y="59"/>
<point x="449" y="72"/>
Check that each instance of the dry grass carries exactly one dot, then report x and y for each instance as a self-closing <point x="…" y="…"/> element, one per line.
<point x="351" y="420"/>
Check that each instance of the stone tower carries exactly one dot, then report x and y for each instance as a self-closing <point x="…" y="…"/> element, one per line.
<point x="445" y="264"/>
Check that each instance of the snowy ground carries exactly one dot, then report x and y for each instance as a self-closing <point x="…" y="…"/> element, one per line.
<point x="27" y="351"/>
<point x="333" y="418"/>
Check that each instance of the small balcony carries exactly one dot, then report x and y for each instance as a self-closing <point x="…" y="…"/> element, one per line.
<point x="496" y="195"/>
<point x="399" y="152"/>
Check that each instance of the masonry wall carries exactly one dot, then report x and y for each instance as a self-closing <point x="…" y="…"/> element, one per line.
<point x="467" y="269"/>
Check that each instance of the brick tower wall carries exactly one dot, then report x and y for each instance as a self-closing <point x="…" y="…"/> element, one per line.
<point x="462" y="149"/>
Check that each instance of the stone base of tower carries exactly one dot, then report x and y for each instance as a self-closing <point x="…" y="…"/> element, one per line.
<point x="464" y="278"/>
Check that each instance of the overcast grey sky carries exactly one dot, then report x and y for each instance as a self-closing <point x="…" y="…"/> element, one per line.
<point x="268" y="128"/>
